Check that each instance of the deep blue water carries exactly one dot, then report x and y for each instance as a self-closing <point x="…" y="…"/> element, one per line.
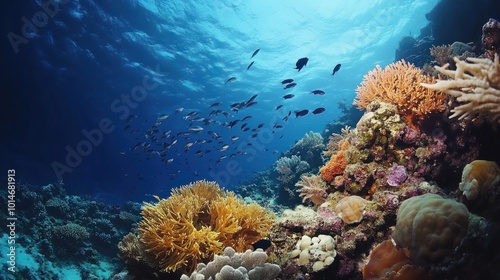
<point x="84" y="82"/>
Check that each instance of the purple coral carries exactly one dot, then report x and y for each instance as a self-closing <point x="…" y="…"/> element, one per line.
<point x="397" y="175"/>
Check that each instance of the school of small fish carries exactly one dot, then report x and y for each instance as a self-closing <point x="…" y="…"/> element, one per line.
<point x="158" y="140"/>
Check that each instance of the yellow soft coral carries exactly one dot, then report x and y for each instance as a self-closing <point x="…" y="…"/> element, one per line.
<point x="476" y="84"/>
<point x="196" y="222"/>
<point x="399" y="84"/>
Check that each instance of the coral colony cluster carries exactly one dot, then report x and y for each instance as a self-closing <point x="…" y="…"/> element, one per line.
<point x="381" y="200"/>
<point x="406" y="193"/>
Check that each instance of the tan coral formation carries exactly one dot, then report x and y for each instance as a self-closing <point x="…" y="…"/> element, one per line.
<point x="476" y="84"/>
<point x="351" y="208"/>
<point x="312" y="188"/>
<point x="478" y="177"/>
<point x="430" y="227"/>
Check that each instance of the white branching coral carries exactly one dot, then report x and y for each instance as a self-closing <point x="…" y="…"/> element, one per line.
<point x="312" y="188"/>
<point x="311" y="140"/>
<point x="475" y="83"/>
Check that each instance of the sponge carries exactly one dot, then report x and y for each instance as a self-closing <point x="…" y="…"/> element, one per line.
<point x="431" y="227"/>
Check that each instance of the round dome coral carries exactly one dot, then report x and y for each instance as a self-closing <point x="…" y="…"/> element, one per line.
<point x="431" y="227"/>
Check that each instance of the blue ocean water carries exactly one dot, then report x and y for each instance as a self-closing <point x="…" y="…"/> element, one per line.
<point x="87" y="85"/>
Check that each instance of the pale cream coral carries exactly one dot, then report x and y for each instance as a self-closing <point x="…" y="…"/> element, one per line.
<point x="475" y="83"/>
<point x="478" y="177"/>
<point x="351" y="208"/>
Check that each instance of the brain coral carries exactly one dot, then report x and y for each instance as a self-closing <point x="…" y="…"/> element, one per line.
<point x="477" y="177"/>
<point x="430" y="227"/>
<point x="196" y="222"/>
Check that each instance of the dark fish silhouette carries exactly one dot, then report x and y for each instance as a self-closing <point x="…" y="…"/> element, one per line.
<point x="232" y="79"/>
<point x="301" y="113"/>
<point x="254" y="53"/>
<point x="319" y="110"/>
<point x="262" y="244"/>
<point x="287" y="81"/>
<point x="278" y="107"/>
<point x="290" y="85"/>
<point x="337" y="68"/>
<point x="301" y="63"/>
<point x="215" y="104"/>
<point x="318" y="92"/>
<point x="288" y="96"/>
<point x="250" y="65"/>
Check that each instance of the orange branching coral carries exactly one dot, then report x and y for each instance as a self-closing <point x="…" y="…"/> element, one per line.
<point x="399" y="84"/>
<point x="335" y="139"/>
<point x="441" y="53"/>
<point x="312" y="188"/>
<point x="196" y="222"/>
<point x="337" y="163"/>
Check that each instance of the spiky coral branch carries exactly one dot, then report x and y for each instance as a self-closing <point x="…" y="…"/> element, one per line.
<point x="476" y="84"/>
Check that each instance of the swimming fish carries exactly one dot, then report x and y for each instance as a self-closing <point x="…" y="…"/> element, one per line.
<point x="278" y="107"/>
<point x="337" y="68"/>
<point x="178" y="110"/>
<point x="318" y="92"/>
<point x="162" y="117"/>
<point x="215" y="104"/>
<point x="318" y="110"/>
<point x="287" y="81"/>
<point x="262" y="244"/>
<point x="301" y="113"/>
<point x="301" y="63"/>
<point x="288" y="96"/>
<point x="254" y="53"/>
<point x="232" y="79"/>
<point x="250" y="65"/>
<point x="290" y="86"/>
<point x="196" y="128"/>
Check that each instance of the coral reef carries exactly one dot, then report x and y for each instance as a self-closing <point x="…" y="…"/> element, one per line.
<point x="197" y="221"/>
<point x="399" y="84"/>
<point x="477" y="84"/>
<point x="430" y="227"/>
<point x="57" y="233"/>
<point x="230" y="265"/>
